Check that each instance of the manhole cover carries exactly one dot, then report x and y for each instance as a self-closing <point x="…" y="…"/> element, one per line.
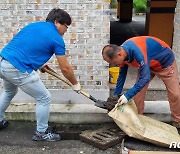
<point x="103" y="138"/>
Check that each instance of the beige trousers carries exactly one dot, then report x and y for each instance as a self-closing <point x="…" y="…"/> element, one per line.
<point x="170" y="78"/>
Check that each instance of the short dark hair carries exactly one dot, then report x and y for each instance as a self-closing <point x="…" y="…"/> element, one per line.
<point x="59" y="15"/>
<point x="111" y="50"/>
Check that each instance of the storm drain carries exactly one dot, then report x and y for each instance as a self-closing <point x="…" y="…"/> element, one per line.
<point x="103" y="138"/>
<point x="71" y="132"/>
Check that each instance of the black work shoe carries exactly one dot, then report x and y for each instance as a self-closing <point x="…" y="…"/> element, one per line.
<point x="48" y="135"/>
<point x="3" y="124"/>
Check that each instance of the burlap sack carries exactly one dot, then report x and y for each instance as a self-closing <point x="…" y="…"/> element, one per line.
<point x="142" y="127"/>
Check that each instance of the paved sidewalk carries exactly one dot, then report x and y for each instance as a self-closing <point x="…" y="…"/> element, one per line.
<point x="16" y="139"/>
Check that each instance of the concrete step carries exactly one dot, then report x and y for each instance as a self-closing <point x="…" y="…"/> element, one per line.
<point x="156" y="90"/>
<point x="151" y="95"/>
<point x="82" y="113"/>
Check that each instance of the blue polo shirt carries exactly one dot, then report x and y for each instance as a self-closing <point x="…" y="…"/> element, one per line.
<point x="33" y="46"/>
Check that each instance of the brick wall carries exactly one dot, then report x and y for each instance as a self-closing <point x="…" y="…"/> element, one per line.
<point x="176" y="38"/>
<point x="84" y="40"/>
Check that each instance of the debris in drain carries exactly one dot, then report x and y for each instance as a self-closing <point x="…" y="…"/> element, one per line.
<point x="71" y="132"/>
<point x="111" y="102"/>
<point x="103" y="138"/>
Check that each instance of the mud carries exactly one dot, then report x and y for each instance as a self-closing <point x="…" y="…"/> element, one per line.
<point x="111" y="102"/>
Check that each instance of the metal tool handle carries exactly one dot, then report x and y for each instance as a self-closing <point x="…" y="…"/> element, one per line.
<point x="53" y="73"/>
<point x="98" y="103"/>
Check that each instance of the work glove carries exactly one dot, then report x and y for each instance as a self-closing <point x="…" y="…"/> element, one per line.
<point x="76" y="87"/>
<point x="122" y="100"/>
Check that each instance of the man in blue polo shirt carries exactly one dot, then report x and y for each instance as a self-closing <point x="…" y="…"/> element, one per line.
<point x="29" y="50"/>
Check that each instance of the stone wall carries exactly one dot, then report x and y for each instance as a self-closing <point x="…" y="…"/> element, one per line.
<point x="89" y="31"/>
<point x="176" y="38"/>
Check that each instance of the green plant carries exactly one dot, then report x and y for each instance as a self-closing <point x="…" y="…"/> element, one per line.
<point x="113" y="4"/>
<point x="140" y="5"/>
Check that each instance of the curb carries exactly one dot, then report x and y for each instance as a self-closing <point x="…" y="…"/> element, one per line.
<point x="60" y="113"/>
<point x="82" y="113"/>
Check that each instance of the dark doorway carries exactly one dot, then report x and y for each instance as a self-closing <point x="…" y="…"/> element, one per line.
<point x="121" y="30"/>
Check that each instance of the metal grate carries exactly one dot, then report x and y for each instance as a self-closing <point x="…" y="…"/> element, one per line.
<point x="103" y="138"/>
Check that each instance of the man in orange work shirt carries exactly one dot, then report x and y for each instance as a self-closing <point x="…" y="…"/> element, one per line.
<point x="152" y="57"/>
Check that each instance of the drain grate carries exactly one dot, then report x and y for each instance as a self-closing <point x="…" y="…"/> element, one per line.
<point x="103" y="138"/>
